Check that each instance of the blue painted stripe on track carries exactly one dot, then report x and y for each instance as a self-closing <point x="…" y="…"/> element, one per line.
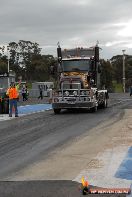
<point x="125" y="169"/>
<point x="33" y="108"/>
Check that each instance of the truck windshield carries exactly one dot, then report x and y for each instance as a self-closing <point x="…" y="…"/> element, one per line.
<point x="73" y="85"/>
<point x="76" y="65"/>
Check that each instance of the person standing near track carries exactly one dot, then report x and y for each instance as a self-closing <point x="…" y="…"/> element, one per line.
<point x="24" y="93"/>
<point x="13" y="94"/>
<point x="40" y="93"/>
<point x="130" y="90"/>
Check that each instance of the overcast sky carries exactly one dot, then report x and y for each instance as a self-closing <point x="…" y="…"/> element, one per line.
<point x="74" y="23"/>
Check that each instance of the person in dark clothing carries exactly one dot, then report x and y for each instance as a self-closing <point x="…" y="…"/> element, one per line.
<point x="27" y="93"/>
<point x="24" y="93"/>
<point x="130" y="90"/>
<point x="41" y="93"/>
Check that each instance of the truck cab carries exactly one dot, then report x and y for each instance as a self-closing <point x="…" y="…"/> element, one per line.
<point x="79" y="80"/>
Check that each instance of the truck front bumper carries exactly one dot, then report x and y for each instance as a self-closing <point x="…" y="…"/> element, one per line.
<point x="76" y="105"/>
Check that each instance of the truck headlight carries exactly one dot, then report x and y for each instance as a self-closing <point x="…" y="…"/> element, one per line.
<point x="87" y="92"/>
<point x="66" y="93"/>
<point x="82" y="93"/>
<point x="75" y="93"/>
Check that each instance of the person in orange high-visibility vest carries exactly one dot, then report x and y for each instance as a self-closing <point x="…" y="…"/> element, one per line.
<point x="13" y="94"/>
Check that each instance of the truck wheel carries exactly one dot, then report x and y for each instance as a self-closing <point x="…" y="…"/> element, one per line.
<point x="93" y="109"/>
<point x="57" y="111"/>
<point x="105" y="104"/>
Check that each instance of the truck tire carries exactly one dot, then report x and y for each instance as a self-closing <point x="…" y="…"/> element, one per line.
<point x="57" y="111"/>
<point x="93" y="109"/>
<point x="105" y="103"/>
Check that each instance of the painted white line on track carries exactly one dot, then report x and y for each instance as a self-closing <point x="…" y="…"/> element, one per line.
<point x="35" y="112"/>
<point x="24" y="105"/>
<point x="102" y="169"/>
<point x="34" y="105"/>
<point x="4" y="117"/>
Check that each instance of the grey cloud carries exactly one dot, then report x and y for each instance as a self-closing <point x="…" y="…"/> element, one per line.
<point x="48" y="22"/>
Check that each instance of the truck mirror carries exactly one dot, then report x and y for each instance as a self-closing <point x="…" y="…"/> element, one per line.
<point x="92" y="65"/>
<point x="99" y="69"/>
<point x="59" y="68"/>
<point x="97" y="54"/>
<point x="52" y="69"/>
<point x="59" y="54"/>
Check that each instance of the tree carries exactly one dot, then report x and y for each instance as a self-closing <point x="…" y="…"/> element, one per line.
<point x="116" y="62"/>
<point x="3" y="61"/>
<point x="3" y="67"/>
<point x="128" y="68"/>
<point x="106" y="73"/>
<point x="26" y="60"/>
<point x="21" y="55"/>
<point x="117" y="69"/>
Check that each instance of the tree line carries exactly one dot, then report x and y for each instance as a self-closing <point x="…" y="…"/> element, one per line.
<point x="26" y="60"/>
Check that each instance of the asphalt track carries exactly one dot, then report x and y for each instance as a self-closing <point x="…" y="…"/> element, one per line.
<point x="53" y="188"/>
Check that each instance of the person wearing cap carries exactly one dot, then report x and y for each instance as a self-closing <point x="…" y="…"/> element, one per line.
<point x="13" y="94"/>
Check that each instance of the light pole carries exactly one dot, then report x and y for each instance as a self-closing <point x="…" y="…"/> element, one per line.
<point x="8" y="66"/>
<point x="124" y="90"/>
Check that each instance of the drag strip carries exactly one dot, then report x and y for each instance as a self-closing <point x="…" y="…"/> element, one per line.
<point x="44" y="146"/>
<point x="36" y="108"/>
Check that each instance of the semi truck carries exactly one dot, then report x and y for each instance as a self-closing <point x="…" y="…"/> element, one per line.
<point x="79" y="85"/>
